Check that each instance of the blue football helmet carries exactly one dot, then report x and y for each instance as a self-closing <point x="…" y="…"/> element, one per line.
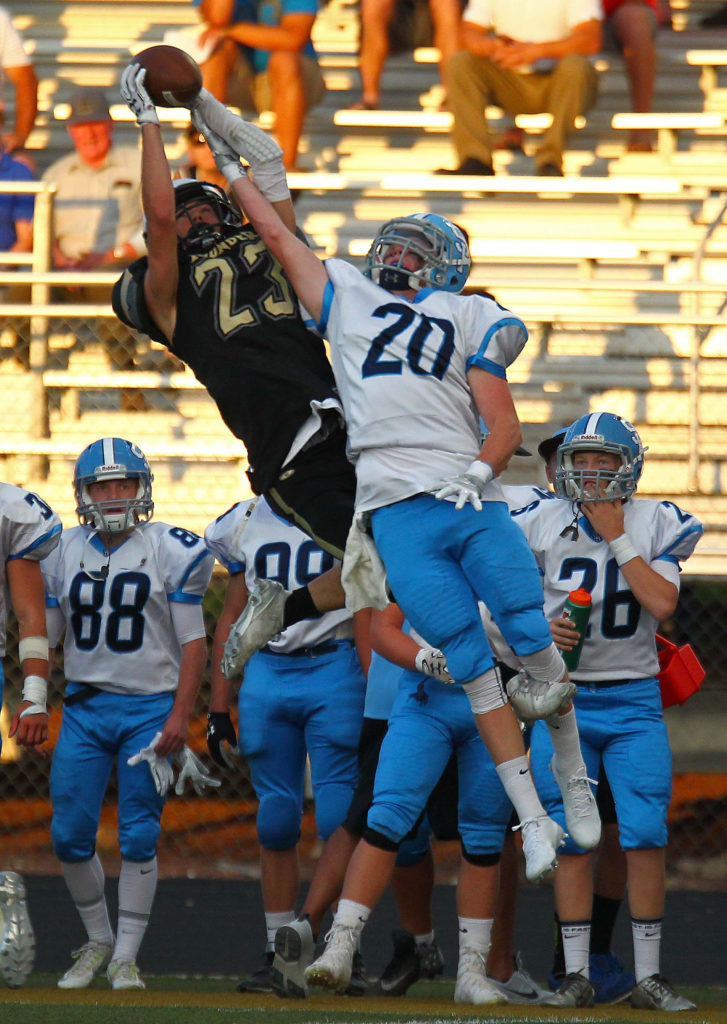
<point x="112" y="458"/>
<point x="439" y="243"/>
<point x="188" y="193"/>
<point x="601" y="432"/>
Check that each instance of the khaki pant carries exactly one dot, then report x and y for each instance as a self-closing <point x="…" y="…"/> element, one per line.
<point x="473" y="82"/>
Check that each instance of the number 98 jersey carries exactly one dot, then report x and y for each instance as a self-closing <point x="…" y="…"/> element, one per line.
<point x="120" y="635"/>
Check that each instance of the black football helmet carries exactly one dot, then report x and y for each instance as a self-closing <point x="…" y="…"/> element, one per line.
<point x="188" y="193"/>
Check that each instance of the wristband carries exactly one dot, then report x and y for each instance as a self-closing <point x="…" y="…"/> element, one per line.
<point x="481" y="471"/>
<point x="33" y="647"/>
<point x="35" y="690"/>
<point x="270" y="177"/>
<point x="233" y="170"/>
<point x="622" y="549"/>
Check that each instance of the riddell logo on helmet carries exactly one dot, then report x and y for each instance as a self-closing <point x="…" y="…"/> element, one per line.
<point x="590" y="437"/>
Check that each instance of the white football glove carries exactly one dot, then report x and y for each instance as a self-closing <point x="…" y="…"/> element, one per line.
<point x="160" y="768"/>
<point x="533" y="699"/>
<point x="227" y="160"/>
<point x="192" y="768"/>
<point x="432" y="662"/>
<point x="136" y="97"/>
<point x="468" y="486"/>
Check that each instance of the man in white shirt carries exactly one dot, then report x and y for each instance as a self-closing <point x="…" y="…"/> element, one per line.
<point x="15" y="65"/>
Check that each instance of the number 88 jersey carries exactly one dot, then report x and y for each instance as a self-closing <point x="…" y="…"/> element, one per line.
<point x="117" y="606"/>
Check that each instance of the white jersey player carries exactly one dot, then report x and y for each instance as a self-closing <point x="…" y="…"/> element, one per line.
<point x="626" y="552"/>
<point x="302" y="694"/>
<point x="128" y="594"/>
<point x="29" y="530"/>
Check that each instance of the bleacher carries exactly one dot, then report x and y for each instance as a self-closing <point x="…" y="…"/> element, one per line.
<point x="607" y="265"/>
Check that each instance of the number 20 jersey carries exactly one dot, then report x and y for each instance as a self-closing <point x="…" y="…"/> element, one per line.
<point x="620" y="639"/>
<point x="401" y="368"/>
<point x="240" y="330"/>
<point x="119" y="630"/>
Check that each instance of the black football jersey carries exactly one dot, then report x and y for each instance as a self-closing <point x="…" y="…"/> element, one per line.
<point x="240" y="331"/>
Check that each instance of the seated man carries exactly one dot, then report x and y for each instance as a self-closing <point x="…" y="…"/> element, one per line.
<point x="529" y="58"/>
<point x="266" y="50"/>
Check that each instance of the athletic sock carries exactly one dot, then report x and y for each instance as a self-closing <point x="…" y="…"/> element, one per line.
<point x="272" y="923"/>
<point x="576" y="944"/>
<point x="137" y="887"/>
<point x="518" y="784"/>
<point x="85" y="881"/>
<point x="647" y="947"/>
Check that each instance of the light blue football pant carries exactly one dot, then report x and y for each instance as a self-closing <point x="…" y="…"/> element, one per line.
<point x="95" y="733"/>
<point x="439" y="561"/>
<point x="429" y="721"/>
<point x="623" y="727"/>
<point x="290" y="705"/>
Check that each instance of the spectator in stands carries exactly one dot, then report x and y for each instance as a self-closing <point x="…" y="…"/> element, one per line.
<point x="630" y="26"/>
<point x="376" y="18"/>
<point x="16" y="67"/>
<point x="97" y="219"/>
<point x="718" y="18"/>
<point x="529" y="58"/>
<point x="264" y="60"/>
<point x="16" y="210"/>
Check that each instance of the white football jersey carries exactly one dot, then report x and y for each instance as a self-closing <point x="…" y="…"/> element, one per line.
<point x="119" y="631"/>
<point x="620" y="639"/>
<point x="401" y="370"/>
<point x="251" y="538"/>
<point x="28" y="529"/>
<point x="518" y="496"/>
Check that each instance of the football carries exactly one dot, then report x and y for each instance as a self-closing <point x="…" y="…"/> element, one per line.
<point x="173" y="79"/>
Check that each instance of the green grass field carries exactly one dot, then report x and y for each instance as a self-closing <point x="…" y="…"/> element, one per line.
<point x="172" y="1000"/>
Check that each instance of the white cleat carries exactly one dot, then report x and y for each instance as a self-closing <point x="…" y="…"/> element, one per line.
<point x="542" y="838"/>
<point x="581" y="811"/>
<point x="89" y="960"/>
<point x="332" y="969"/>
<point x="17" y="940"/>
<point x="294" y="952"/>
<point x="261" y="621"/>
<point x="520" y="988"/>
<point x="124" y="974"/>
<point x="533" y="699"/>
<point x="473" y="986"/>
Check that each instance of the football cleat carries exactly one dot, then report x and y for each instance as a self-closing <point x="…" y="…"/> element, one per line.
<point x="533" y="699"/>
<point x="520" y="988"/>
<point x="541" y="839"/>
<point x="17" y="940"/>
<point x="611" y="982"/>
<point x="332" y="969"/>
<point x="261" y="621"/>
<point x="89" y="960"/>
<point x="574" y="990"/>
<point x="359" y="984"/>
<point x="582" y="819"/>
<point x="473" y="985"/>
<point x="410" y="962"/>
<point x="262" y="979"/>
<point x="656" y="993"/>
<point x="124" y="974"/>
<point x="294" y="952"/>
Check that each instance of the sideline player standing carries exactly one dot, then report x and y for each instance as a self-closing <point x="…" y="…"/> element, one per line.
<point x="302" y="693"/>
<point x="29" y="530"/>
<point x="128" y="593"/>
<point x="626" y="553"/>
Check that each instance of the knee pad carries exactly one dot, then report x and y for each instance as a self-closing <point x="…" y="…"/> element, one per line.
<point x="278" y="823"/>
<point x="481" y="860"/>
<point x="139" y="843"/>
<point x="380" y="841"/>
<point x="70" y="849"/>
<point x="486" y="692"/>
<point x="546" y="666"/>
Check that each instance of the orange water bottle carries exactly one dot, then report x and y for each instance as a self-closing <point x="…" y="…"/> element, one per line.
<point x="578" y="610"/>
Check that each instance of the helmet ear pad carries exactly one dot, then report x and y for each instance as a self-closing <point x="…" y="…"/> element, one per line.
<point x="600" y="432"/>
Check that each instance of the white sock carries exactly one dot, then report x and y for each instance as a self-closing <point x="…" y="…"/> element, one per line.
<point x="352" y="915"/>
<point x="273" y="922"/>
<point x="85" y="881"/>
<point x="518" y="784"/>
<point x="137" y="887"/>
<point x="566" y="743"/>
<point x="475" y="933"/>
<point x="576" y="946"/>
<point x="647" y="947"/>
<point x="425" y="940"/>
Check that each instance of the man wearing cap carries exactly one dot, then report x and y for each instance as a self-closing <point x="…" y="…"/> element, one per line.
<point x="97" y="220"/>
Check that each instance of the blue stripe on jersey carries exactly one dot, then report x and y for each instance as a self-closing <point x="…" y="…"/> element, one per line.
<point x="36" y="543"/>
<point x="204" y="553"/>
<point x="486" y="341"/>
<point x="697" y="528"/>
<point x="51" y="602"/>
<point x="234" y="567"/>
<point x="179" y="598"/>
<point x="328" y="293"/>
<point x="486" y="364"/>
<point x="667" y="558"/>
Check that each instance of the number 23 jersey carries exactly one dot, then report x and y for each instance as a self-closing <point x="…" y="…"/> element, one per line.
<point x="119" y="630"/>
<point x="620" y="638"/>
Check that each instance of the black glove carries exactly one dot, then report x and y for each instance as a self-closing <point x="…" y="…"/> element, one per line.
<point x="222" y="739"/>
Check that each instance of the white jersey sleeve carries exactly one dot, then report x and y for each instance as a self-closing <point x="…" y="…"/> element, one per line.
<point x="401" y="368"/>
<point x="262" y="545"/>
<point x="120" y="634"/>
<point x="620" y="641"/>
<point x="29" y="528"/>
